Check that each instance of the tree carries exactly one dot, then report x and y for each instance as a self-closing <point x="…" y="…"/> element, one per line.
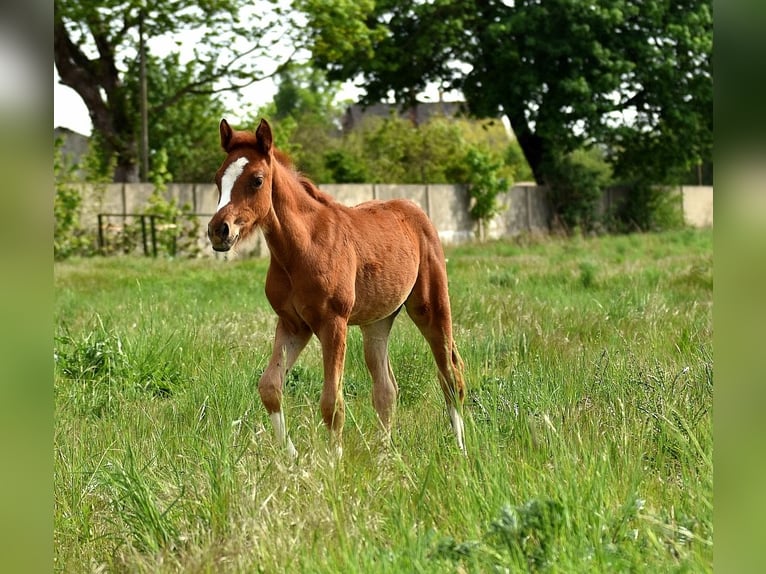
<point x="634" y="75"/>
<point x="187" y="130"/>
<point x="305" y="117"/>
<point x="96" y="54"/>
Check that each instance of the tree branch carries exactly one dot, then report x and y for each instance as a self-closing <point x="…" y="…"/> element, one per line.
<point x="196" y="87"/>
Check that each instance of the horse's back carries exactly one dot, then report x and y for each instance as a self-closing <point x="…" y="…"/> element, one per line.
<point x="405" y="212"/>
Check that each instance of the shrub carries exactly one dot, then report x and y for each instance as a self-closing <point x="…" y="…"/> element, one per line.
<point x="69" y="236"/>
<point x="577" y="181"/>
<point x="484" y="185"/>
<point x="176" y="233"/>
<point x="649" y="208"/>
<point x="345" y="166"/>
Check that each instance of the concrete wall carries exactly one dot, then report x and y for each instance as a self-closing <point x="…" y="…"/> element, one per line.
<point x="698" y="205"/>
<point x="525" y="206"/>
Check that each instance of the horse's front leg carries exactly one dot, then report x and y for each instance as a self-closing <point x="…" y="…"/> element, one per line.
<point x="289" y="341"/>
<point x="332" y="336"/>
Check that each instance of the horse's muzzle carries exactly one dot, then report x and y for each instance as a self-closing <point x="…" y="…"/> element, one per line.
<point x="223" y="235"/>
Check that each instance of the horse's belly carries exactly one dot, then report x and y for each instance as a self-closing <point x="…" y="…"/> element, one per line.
<point x="380" y="292"/>
<point x="364" y="314"/>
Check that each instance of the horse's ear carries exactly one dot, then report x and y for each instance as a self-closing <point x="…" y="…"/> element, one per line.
<point x="226" y="133"/>
<point x="264" y="136"/>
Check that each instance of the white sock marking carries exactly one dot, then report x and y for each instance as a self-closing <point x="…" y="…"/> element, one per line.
<point x="229" y="179"/>
<point x="457" y="426"/>
<point x="280" y="430"/>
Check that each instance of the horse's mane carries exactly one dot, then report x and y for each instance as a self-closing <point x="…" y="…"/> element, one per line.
<point x="309" y="186"/>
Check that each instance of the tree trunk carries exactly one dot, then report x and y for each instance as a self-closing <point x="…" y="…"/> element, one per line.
<point x="98" y="83"/>
<point x="127" y="173"/>
<point x="532" y="145"/>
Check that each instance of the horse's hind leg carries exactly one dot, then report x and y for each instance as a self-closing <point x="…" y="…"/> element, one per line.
<point x="429" y="308"/>
<point x="289" y="341"/>
<point x="384" y="387"/>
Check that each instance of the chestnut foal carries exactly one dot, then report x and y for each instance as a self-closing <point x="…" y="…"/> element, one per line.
<point x="333" y="266"/>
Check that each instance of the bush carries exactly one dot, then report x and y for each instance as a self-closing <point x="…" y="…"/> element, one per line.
<point x="577" y="182"/>
<point x="345" y="166"/>
<point x="649" y="208"/>
<point x="484" y="185"/>
<point x="176" y="233"/>
<point x="69" y="236"/>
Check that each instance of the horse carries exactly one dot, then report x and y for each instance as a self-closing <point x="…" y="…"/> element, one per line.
<point x="332" y="266"/>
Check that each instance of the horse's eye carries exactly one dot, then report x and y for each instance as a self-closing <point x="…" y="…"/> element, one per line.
<point x="257" y="181"/>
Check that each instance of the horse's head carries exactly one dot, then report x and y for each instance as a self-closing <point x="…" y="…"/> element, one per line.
<point x="244" y="184"/>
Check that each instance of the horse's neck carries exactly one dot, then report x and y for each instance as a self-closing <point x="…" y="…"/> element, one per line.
<point x="293" y="211"/>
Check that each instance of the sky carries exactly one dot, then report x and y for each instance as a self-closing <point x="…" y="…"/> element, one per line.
<point x="69" y="110"/>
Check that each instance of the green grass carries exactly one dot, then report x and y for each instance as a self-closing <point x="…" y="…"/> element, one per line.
<point x="588" y="421"/>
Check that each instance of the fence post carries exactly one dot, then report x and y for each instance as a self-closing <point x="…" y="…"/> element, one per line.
<point x="143" y="234"/>
<point x="100" y="233"/>
<point x="153" y="228"/>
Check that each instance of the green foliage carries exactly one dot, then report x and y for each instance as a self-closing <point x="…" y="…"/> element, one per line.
<point x="345" y="166"/>
<point x="176" y="233"/>
<point x="529" y="530"/>
<point x="95" y="54"/>
<point x="103" y="367"/>
<point x="69" y="237"/>
<point x="650" y="208"/>
<point x="183" y="135"/>
<point x="93" y="355"/>
<point x="517" y="163"/>
<point x="520" y="537"/>
<point x="588" y="273"/>
<point x="305" y="118"/>
<point x="484" y="184"/>
<point x="636" y="76"/>
<point x="304" y="92"/>
<point x="98" y="164"/>
<point x="576" y="185"/>
<point x="341" y="28"/>
<point x="393" y="150"/>
<point x="134" y="501"/>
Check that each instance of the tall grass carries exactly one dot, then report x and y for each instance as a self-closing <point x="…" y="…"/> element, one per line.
<point x="588" y="421"/>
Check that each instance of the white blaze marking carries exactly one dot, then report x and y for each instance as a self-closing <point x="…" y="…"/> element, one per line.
<point x="278" y="421"/>
<point x="457" y="426"/>
<point x="229" y="179"/>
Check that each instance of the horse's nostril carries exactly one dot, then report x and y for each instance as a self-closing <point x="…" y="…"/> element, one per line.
<point x="224" y="230"/>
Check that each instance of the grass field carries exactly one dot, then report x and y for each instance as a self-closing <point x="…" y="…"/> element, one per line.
<point x="588" y="421"/>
